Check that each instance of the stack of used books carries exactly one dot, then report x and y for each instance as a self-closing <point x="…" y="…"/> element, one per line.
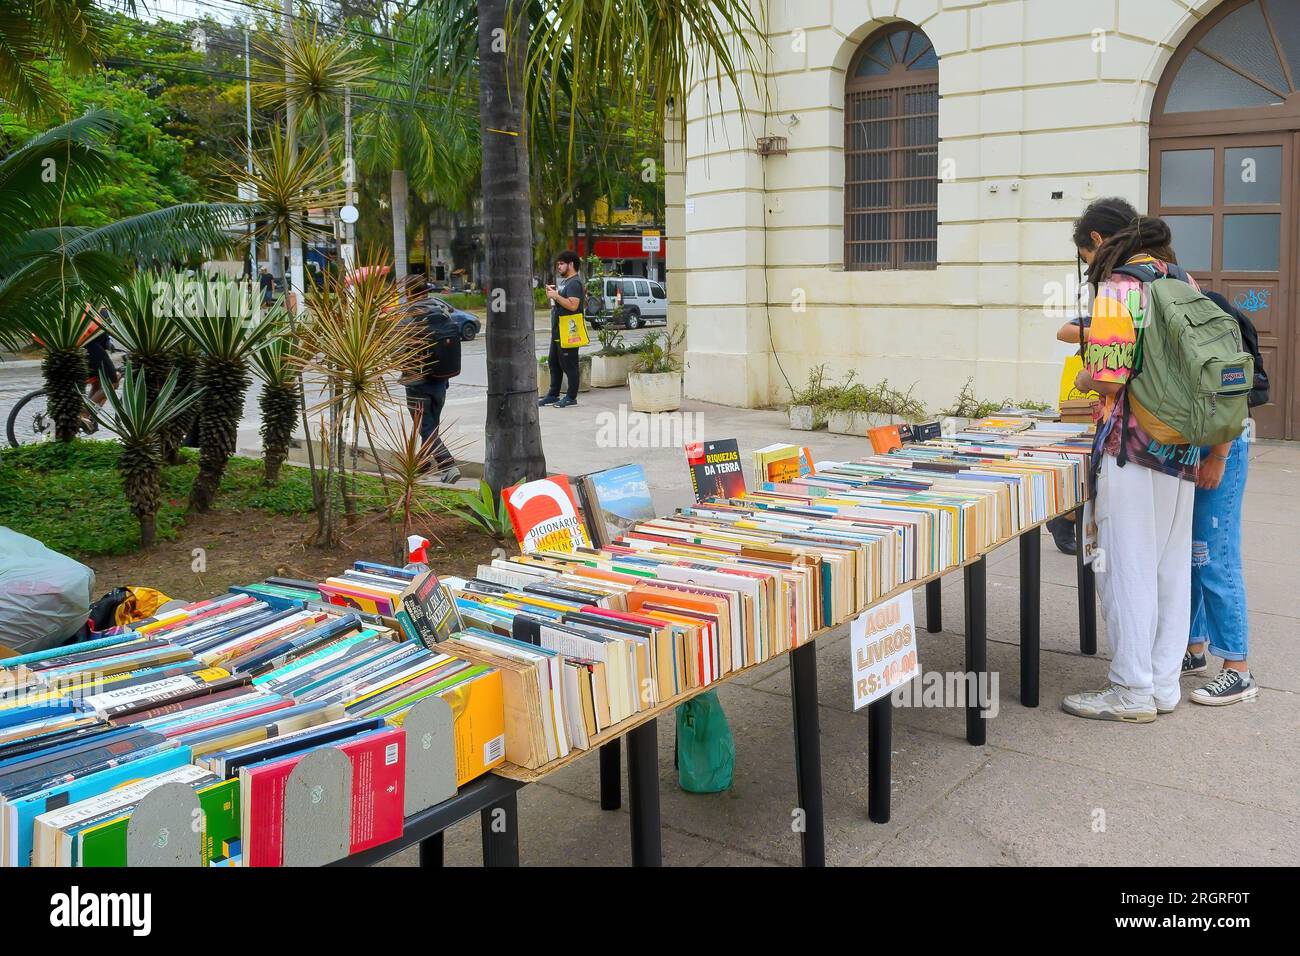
<point x="225" y="699"/>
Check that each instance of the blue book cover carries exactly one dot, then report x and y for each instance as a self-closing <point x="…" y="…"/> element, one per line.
<point x="21" y="813"/>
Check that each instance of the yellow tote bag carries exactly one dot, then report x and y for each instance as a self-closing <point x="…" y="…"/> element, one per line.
<point x="1073" y="366"/>
<point x="573" y="331"/>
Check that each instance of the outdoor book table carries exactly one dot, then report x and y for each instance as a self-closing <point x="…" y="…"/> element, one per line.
<point x="641" y="729"/>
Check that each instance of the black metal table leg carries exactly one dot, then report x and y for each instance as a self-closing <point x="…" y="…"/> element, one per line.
<point x="808" y="752"/>
<point x="1087" y="592"/>
<point x="431" y="850"/>
<point x="1031" y="549"/>
<point x="611" y="787"/>
<point x="977" y="659"/>
<point x="880" y="742"/>
<point x="500" y="825"/>
<point x="934" y="606"/>
<point x="643" y="794"/>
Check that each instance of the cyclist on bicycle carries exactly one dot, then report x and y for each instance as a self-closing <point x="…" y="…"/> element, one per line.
<point x="96" y="343"/>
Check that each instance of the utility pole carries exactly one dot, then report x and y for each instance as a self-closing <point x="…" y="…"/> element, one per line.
<point x="248" y="132"/>
<point x="291" y="130"/>
<point x="347" y="216"/>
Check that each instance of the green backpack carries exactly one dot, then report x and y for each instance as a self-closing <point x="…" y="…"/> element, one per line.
<point x="1191" y="375"/>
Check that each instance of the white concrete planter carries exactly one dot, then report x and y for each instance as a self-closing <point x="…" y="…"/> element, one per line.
<point x="544" y="375"/>
<point x="806" y="418"/>
<point x="610" y="371"/>
<point x="858" y="423"/>
<point x="951" y="424"/>
<point x="655" y="391"/>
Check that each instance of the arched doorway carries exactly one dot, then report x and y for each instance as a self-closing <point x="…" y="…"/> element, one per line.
<point x="1225" y="174"/>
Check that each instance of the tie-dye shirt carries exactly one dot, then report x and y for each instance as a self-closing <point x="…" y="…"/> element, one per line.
<point x="1117" y="313"/>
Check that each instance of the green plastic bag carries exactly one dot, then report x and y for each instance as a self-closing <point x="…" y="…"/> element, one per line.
<point x="706" y="751"/>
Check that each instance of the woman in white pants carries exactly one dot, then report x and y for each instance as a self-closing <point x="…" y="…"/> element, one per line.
<point x="1145" y="490"/>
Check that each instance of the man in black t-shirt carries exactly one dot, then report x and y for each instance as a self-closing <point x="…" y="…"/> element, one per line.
<point x="566" y="299"/>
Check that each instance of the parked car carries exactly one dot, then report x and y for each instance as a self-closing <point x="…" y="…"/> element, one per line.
<point x="643" y="301"/>
<point x="469" y="323"/>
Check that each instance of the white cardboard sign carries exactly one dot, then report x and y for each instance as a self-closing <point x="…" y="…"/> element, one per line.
<point x="883" y="644"/>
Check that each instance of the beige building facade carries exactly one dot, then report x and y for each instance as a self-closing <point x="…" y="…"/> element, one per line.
<point x="959" y="262"/>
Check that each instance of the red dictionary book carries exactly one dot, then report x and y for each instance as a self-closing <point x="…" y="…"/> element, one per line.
<point x="378" y="789"/>
<point x="545" y="515"/>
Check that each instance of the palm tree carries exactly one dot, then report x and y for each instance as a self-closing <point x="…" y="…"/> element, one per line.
<point x="224" y="343"/>
<point x="280" y="402"/>
<point x="401" y="134"/>
<point x="145" y="332"/>
<point x="313" y="69"/>
<point x="288" y="188"/>
<point x="61" y="333"/>
<point x="630" y="50"/>
<point x="138" y="421"/>
<point x="358" y="339"/>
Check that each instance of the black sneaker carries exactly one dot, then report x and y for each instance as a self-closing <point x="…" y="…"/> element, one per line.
<point x="1228" y="688"/>
<point x="1194" y="664"/>
<point x="1063" y="534"/>
<point x="547" y="400"/>
<point x="565" y="402"/>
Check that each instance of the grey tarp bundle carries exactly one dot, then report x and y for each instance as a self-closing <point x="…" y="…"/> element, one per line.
<point x="44" y="595"/>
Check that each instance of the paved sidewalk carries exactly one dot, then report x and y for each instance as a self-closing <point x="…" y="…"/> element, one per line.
<point x="1046" y="789"/>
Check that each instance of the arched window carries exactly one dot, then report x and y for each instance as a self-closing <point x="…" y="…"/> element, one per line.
<point x="1247" y="59"/>
<point x="891" y="151"/>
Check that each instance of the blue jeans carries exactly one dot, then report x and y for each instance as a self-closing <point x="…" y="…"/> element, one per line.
<point x="1218" y="587"/>
<point x="428" y="397"/>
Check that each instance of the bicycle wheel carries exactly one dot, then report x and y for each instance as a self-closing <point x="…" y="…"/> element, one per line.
<point x="29" y="421"/>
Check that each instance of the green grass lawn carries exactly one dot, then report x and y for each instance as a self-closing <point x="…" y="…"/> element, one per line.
<point x="69" y="496"/>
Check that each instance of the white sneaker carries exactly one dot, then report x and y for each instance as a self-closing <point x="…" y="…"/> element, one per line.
<point x="1228" y="688"/>
<point x="1166" y="708"/>
<point x="450" y="476"/>
<point x="1113" y="703"/>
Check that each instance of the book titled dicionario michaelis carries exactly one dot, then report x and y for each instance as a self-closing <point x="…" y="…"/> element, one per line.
<point x="545" y="515"/>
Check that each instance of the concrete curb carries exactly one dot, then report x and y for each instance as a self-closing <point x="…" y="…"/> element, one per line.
<point x="15" y="367"/>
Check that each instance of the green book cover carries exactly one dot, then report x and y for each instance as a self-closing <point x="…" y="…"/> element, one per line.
<point x="105" y="844"/>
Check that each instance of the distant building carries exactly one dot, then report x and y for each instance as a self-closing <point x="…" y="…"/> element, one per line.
<point x="911" y="219"/>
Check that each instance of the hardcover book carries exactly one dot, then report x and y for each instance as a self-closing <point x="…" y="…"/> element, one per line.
<point x="545" y="515"/>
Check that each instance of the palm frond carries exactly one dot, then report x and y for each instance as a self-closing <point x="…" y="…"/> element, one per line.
<point x="34" y="32"/>
<point x="132" y="417"/>
<point x="288" y="188"/>
<point x="63" y="164"/>
<point x="138" y="319"/>
<point x="310" y="67"/>
<point x="231" y="337"/>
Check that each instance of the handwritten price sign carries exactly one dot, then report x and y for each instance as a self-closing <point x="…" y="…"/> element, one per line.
<point x="883" y="644"/>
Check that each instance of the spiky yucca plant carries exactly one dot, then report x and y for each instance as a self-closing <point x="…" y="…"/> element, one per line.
<point x="360" y="335"/>
<point x="139" y="421"/>
<point x="140" y="324"/>
<point x="60" y="330"/>
<point x="280" y="402"/>
<point x="224" y="343"/>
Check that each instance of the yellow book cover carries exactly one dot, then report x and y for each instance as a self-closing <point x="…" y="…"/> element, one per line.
<point x="478" y="712"/>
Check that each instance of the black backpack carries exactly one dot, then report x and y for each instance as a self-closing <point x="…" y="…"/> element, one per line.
<point x="442" y="346"/>
<point x="1250" y="341"/>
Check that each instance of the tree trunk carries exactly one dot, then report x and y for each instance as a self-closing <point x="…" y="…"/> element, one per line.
<point x="398" y="187"/>
<point x="514" y="440"/>
<point x="148" y="531"/>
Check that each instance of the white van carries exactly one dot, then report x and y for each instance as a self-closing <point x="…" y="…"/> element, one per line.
<point x="644" y="301"/>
